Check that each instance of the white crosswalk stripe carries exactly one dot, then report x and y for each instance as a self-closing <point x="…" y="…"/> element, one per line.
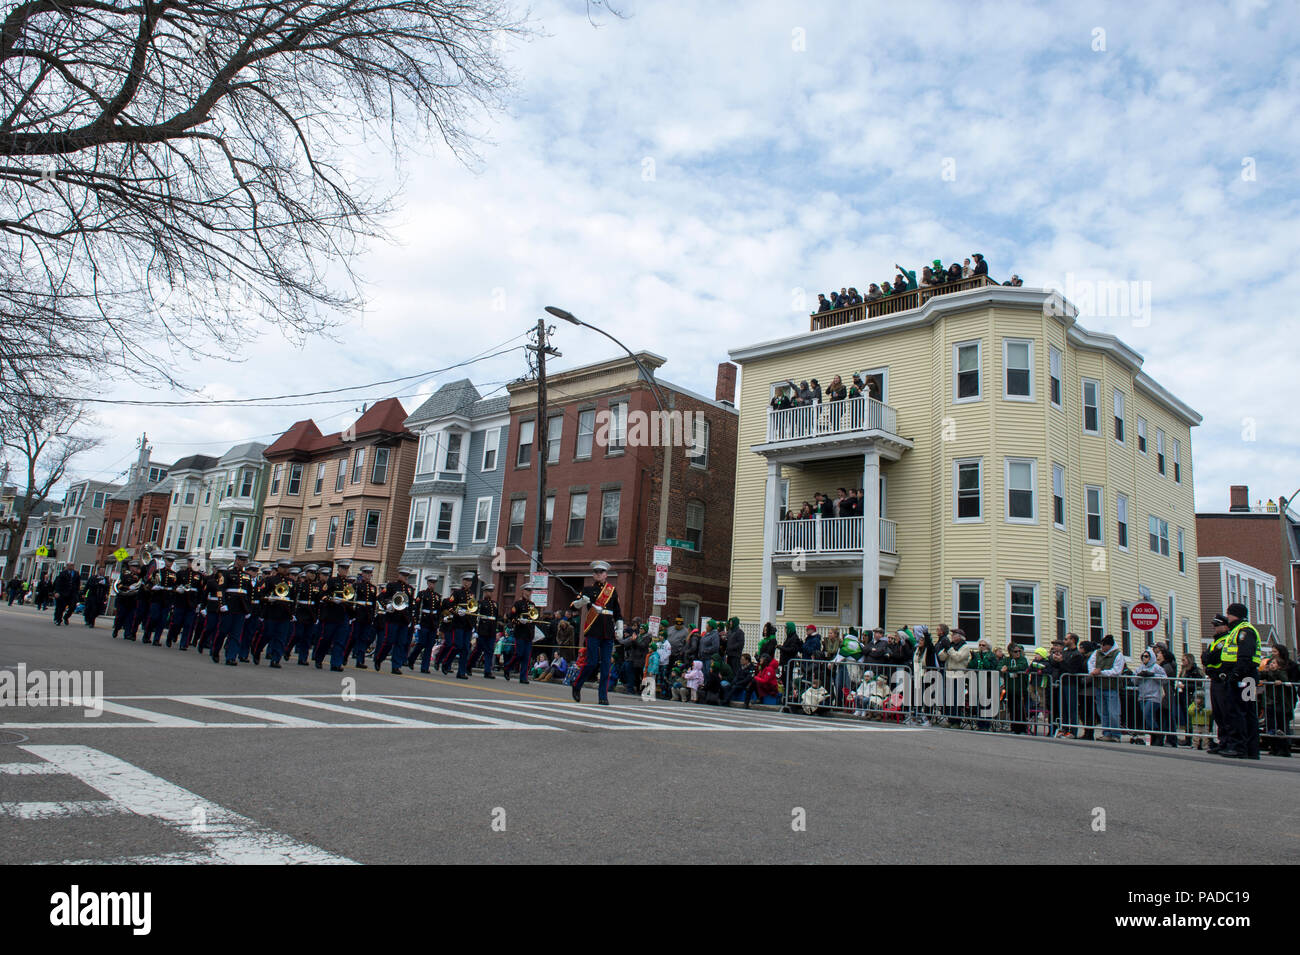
<point x="221" y="836"/>
<point x="333" y="712"/>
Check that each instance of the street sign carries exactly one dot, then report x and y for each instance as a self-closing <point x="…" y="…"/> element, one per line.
<point x="1144" y="615"/>
<point x="663" y="556"/>
<point x="539" y="598"/>
<point x="661" y="596"/>
<point x="684" y="545"/>
<point x="121" y="554"/>
<point x="538" y="581"/>
<point x="661" y="576"/>
<point x="654" y="626"/>
<point x="42" y="551"/>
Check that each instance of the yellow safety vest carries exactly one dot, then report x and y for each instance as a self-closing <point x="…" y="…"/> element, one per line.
<point x="1230" y="646"/>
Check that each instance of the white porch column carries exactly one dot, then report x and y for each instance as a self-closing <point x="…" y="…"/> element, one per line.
<point x="870" y="539"/>
<point x="771" y="510"/>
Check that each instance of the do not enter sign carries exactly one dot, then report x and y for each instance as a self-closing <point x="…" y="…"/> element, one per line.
<point x="1144" y="615"/>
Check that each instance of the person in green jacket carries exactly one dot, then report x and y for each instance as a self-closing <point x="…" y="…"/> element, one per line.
<point x="768" y="643"/>
<point x="1015" y="677"/>
<point x="984" y="659"/>
<point x="909" y="276"/>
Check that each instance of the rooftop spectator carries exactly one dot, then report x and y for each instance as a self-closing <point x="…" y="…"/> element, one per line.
<point x="909" y="277"/>
<point x="823" y="303"/>
<point x="854" y="297"/>
<point x="955" y="273"/>
<point x="1014" y="281"/>
<point x="887" y="286"/>
<point x="928" y="277"/>
<point x="981" y="267"/>
<point x="873" y="293"/>
<point x="966" y="270"/>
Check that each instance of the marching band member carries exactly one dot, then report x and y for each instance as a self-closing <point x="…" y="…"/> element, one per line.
<point x="163" y="591"/>
<point x="363" y="622"/>
<point x="523" y="631"/>
<point x="185" y="604"/>
<point x="124" y="612"/>
<point x="236" y="605"/>
<point x="460" y="626"/>
<point x="213" y="583"/>
<point x="485" y="624"/>
<point x="305" y="593"/>
<point x="276" y="597"/>
<point x="397" y="621"/>
<point x="429" y="611"/>
<point x="335" y="617"/>
<point x="602" y="622"/>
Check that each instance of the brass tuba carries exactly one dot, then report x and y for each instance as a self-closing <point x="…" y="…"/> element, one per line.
<point x="400" y="601"/>
<point x="281" y="591"/>
<point x="349" y="593"/>
<point x="532" y="614"/>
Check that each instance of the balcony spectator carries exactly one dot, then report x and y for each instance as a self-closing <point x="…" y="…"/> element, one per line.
<point x="900" y="285"/>
<point x="823" y="303"/>
<point x="966" y="270"/>
<point x="854" y="297"/>
<point x="928" y="277"/>
<point x="955" y="272"/>
<point x="781" y="399"/>
<point x="843" y="508"/>
<point x="806" y="512"/>
<point x="981" y="267"/>
<point x="817" y="391"/>
<point x="1014" y="281"/>
<point x="805" y="395"/>
<point x="836" y="390"/>
<point x="873" y="293"/>
<point x="845" y="298"/>
<point x="887" y="286"/>
<point x="908" y="276"/>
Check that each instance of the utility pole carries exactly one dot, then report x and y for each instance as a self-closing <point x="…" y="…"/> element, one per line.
<point x="541" y="431"/>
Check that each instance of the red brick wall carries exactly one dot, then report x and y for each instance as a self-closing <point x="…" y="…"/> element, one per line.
<point x="1254" y="539"/>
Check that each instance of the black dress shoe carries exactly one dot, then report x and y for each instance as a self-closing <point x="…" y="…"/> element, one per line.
<point x="318" y="665"/>
<point x="231" y="663"/>
<point x="376" y="666"/>
<point x="577" y="694"/>
<point x="424" y="671"/>
<point x="360" y="666"/>
<point x="603" y="702"/>
<point x="274" y="664"/>
<point x="396" y="671"/>
<point x="462" y="676"/>
<point x="1231" y="754"/>
<point x="488" y="676"/>
<point x="525" y="682"/>
<point x="302" y="663"/>
<point x="334" y="669"/>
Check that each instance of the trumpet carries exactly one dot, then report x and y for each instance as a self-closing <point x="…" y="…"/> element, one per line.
<point x="532" y="614"/>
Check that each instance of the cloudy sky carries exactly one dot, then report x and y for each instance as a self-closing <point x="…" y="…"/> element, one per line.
<point x="679" y="176"/>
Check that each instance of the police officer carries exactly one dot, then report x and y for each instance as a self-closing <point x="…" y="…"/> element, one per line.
<point x="363" y="616"/>
<point x="524" y="630"/>
<point x="276" y="595"/>
<point x="485" y="623"/>
<point x="96" y="596"/>
<point x="397" y="623"/>
<point x="599" y="602"/>
<point x="184" y="604"/>
<point x="460" y="624"/>
<point x="1212" y="660"/>
<point x="1240" y="661"/>
<point x="335" y="617"/>
<point x="428" y="610"/>
<point x="236" y="605"/>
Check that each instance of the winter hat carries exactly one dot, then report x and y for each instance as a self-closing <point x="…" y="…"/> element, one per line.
<point x="790" y="628"/>
<point x="1238" y="610"/>
<point x="733" y="623"/>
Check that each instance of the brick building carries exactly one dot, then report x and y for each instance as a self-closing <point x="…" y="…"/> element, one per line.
<point x="135" y="516"/>
<point x="604" y="474"/>
<point x="339" y="495"/>
<point x="1253" y="535"/>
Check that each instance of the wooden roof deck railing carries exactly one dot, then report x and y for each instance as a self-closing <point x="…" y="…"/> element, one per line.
<point x="893" y="304"/>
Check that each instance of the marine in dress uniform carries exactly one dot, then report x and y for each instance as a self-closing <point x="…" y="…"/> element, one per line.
<point x="185" y="604"/>
<point x="161" y="595"/>
<point x="397" y="623"/>
<point x="363" y="616"/>
<point x="96" y="596"/>
<point x="335" y="617"/>
<point x="210" y="602"/>
<point x="460" y="623"/>
<point x="524" y="631"/>
<point x="126" y="601"/>
<point x="236" y="605"/>
<point x="485" y="624"/>
<point x="599" y="602"/>
<point x="305" y="591"/>
<point x="277" y="611"/>
<point x="428" y="609"/>
<point x="251" y="641"/>
<point x="143" y="598"/>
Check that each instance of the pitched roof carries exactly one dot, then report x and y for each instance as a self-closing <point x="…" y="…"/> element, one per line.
<point x="303" y="436"/>
<point x="250" y="449"/>
<point x="195" y="462"/>
<point x="458" y="397"/>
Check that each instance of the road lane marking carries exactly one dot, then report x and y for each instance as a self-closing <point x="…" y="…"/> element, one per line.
<point x="158" y="719"/>
<point x="265" y="716"/>
<point x="352" y="711"/>
<point x="425" y="708"/>
<point x="27" y="769"/>
<point x="228" y="836"/>
<point x="62" y="810"/>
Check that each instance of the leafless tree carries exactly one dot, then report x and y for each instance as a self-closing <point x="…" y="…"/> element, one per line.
<point x="177" y="175"/>
<point x="39" y="437"/>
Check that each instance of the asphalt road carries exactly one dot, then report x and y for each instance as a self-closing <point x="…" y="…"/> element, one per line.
<point x="198" y="762"/>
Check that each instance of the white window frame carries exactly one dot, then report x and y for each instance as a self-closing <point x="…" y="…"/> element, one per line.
<point x="239" y="527"/>
<point x="268" y="526"/>
<point x="616" y="429"/>
<point x="780" y="601"/>
<point x="294" y="478"/>
<point x="453" y="531"/>
<point x="701" y="444"/>
<point x="1006" y="351"/>
<point x="522" y="503"/>
<point x="420" y="515"/>
<point x="1161" y="462"/>
<point x="182" y="537"/>
<point x="167" y="538"/>
<point x="1121" y="517"/>
<point x="1083" y="404"/>
<point x="1169" y="619"/>
<point x="341" y="476"/>
<point x="1100" y="515"/>
<point x="1032" y="584"/>
<point x="586" y="506"/>
<point x="492" y="446"/>
<point x="701" y="510"/>
<point x="285" y="530"/>
<point x="1055" y="374"/>
<point x="979" y="370"/>
<point x="310" y="543"/>
<point x="319" y="484"/>
<point x="358" y="466"/>
<point x="1142" y="435"/>
<point x="374" y="465"/>
<point x="426" y="461"/>
<point x="379" y="527"/>
<point x="1177" y="455"/>
<point x="92" y="535"/>
<point x="1006" y="492"/>
<point x="1117" y="406"/>
<point x="618" y="514"/>
<point x="957" y="584"/>
<point x="1061" y="612"/>
<point x="817" y="599"/>
<point x="1091" y="602"/>
<point x="1181" y="552"/>
<point x="554" y="422"/>
<point x="198" y="539"/>
<point x="956" y="489"/>
<point x="530" y="429"/>
<point x="1162" y="535"/>
<point x="486" y="521"/>
<point x="1058" y="494"/>
<point x="276" y="471"/>
<point x="97" y="501"/>
<point x="445" y="457"/>
<point x="589" y="435"/>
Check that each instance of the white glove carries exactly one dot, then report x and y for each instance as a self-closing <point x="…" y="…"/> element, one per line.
<point x="581" y="602"/>
<point x="223" y="608"/>
<point x="618" y="629"/>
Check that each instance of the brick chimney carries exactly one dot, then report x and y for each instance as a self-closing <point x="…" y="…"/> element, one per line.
<point x="1239" y="498"/>
<point x="726" y="390"/>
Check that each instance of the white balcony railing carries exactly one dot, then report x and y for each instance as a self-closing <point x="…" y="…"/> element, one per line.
<point x="830" y="535"/>
<point x="831" y="418"/>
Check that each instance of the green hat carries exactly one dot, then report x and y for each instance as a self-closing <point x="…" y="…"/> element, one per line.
<point x="734" y="622"/>
<point x="790" y="628"/>
<point x="937" y="263"/>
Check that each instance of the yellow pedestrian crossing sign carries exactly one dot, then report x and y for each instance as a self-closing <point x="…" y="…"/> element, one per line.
<point x="42" y="551"/>
<point x="121" y="554"/>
